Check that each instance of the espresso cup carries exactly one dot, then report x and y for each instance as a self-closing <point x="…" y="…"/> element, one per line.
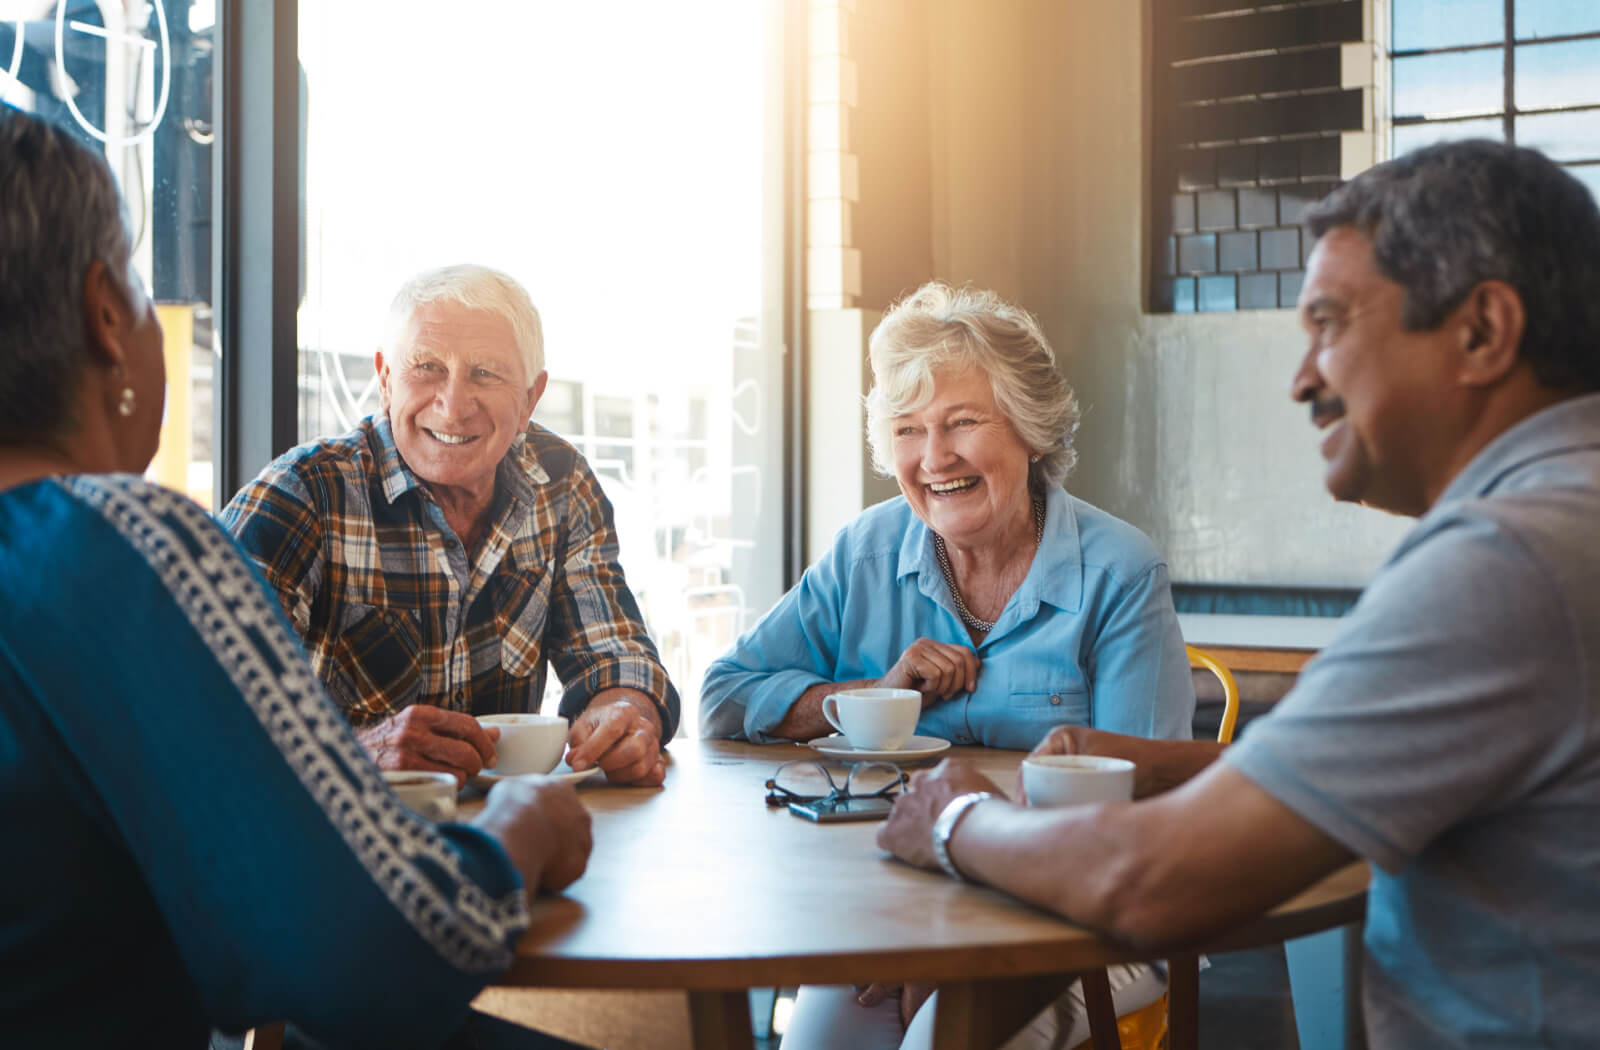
<point x="527" y="744"/>
<point x="431" y="796"/>
<point x="874" y="719"/>
<point x="1072" y="780"/>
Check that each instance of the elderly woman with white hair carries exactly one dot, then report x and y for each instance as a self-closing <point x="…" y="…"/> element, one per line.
<point x="1012" y="606"/>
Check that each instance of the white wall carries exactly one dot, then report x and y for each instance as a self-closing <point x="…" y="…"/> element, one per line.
<point x="1035" y="120"/>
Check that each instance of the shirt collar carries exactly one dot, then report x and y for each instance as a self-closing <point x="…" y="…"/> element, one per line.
<point x="1563" y="427"/>
<point x="1055" y="577"/>
<point x="519" y="470"/>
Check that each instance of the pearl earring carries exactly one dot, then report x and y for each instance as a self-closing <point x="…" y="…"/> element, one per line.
<point x="127" y="405"/>
<point x="1034" y="458"/>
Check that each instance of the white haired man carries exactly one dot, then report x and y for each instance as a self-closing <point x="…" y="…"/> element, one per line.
<point x="440" y="556"/>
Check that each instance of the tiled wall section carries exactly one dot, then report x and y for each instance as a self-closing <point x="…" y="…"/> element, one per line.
<point x="1236" y="242"/>
<point x="1252" y="102"/>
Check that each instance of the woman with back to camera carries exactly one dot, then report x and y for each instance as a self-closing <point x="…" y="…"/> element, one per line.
<point x="1012" y="606"/>
<point x="194" y="837"/>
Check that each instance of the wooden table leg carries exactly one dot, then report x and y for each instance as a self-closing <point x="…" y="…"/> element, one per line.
<point x="720" y="1020"/>
<point x="978" y="1014"/>
<point x="1183" y="1003"/>
<point x="1102" y="1012"/>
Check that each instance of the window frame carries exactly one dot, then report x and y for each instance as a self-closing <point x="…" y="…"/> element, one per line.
<point x="1508" y="112"/>
<point x="258" y="196"/>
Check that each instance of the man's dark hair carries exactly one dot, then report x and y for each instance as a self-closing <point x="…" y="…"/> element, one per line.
<point x="1444" y="218"/>
<point x="59" y="212"/>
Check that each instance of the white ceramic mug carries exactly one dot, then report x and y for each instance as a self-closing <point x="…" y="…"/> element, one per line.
<point x="428" y="795"/>
<point x="527" y="744"/>
<point x="1072" y="780"/>
<point x="874" y="719"/>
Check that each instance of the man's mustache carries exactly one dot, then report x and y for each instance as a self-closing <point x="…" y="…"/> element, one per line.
<point x="1326" y="409"/>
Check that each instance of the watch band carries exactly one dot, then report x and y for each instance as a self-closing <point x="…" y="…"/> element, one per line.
<point x="945" y="827"/>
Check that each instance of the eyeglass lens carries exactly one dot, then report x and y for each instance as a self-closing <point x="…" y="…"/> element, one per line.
<point x="872" y="778"/>
<point x="804" y="780"/>
<point x="807" y="780"/>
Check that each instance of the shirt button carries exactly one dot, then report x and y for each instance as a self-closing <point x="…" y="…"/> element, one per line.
<point x="461" y="697"/>
<point x="1055" y="700"/>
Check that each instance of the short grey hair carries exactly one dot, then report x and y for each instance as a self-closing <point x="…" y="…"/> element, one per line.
<point x="940" y="327"/>
<point x="476" y="288"/>
<point x="59" y="213"/>
<point x="1445" y="218"/>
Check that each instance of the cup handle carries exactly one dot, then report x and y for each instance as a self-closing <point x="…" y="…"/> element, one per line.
<point x="832" y="715"/>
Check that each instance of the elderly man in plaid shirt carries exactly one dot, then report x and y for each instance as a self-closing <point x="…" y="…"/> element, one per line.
<point x="439" y="556"/>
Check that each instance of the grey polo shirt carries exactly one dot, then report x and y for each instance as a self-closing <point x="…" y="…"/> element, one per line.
<point x="1450" y="734"/>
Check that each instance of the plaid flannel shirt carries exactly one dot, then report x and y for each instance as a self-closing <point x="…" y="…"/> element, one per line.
<point x="394" y="614"/>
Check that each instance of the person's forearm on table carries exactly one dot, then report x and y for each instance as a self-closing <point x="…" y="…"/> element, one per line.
<point x="804" y="721"/>
<point x="1154" y="873"/>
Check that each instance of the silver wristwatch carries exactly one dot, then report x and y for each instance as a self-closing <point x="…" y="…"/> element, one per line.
<point x="945" y="827"/>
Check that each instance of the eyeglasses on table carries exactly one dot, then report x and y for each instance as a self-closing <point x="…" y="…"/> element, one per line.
<point x="808" y="780"/>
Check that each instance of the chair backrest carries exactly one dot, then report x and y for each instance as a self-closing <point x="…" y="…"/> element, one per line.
<point x="1230" y="690"/>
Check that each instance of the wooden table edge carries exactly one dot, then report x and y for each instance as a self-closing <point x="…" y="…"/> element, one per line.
<point x="1346" y="903"/>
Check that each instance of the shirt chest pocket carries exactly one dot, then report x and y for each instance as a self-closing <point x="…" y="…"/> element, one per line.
<point x="1065" y="704"/>
<point x="522" y="616"/>
<point x="378" y="655"/>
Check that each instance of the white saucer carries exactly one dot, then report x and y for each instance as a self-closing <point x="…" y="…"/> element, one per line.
<point x="489" y="778"/>
<point x="836" y="746"/>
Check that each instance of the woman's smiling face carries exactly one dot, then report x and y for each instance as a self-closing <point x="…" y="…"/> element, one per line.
<point x="960" y="463"/>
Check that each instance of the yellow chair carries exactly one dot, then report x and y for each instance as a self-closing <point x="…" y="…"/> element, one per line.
<point x="1230" y="691"/>
<point x="1147" y="1028"/>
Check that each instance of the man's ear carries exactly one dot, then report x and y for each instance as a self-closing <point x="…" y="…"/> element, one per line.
<point x="1491" y="321"/>
<point x="106" y="318"/>
<point x="536" y="391"/>
<point x="383" y="379"/>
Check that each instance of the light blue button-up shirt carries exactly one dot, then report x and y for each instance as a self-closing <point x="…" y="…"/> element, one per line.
<point x="1089" y="638"/>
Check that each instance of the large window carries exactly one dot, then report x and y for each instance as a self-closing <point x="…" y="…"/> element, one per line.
<point x="134" y="80"/>
<point x="1519" y="70"/>
<point x="617" y="159"/>
<point x="1250" y="105"/>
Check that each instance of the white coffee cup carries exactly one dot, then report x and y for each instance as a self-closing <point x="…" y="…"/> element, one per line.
<point x="874" y="719"/>
<point x="1072" y="780"/>
<point x="527" y="744"/>
<point x="428" y="795"/>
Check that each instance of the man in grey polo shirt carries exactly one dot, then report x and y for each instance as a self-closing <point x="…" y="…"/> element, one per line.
<point x="1450" y="734"/>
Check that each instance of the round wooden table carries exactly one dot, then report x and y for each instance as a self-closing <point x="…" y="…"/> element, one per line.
<point x="700" y="886"/>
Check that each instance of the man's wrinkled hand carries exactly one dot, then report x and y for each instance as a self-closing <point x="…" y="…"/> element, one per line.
<point x="430" y="738"/>
<point x="622" y="735"/>
<point x="908" y="833"/>
<point x="543" y="827"/>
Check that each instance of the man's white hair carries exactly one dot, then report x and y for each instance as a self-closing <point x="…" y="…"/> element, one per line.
<point x="476" y="288"/>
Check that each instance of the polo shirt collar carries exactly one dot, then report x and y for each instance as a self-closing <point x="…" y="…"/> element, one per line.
<point x="1566" y="426"/>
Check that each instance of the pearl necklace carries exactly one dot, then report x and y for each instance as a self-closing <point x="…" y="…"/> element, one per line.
<point x="950" y="575"/>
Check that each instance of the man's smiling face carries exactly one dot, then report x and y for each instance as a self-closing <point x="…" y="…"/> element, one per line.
<point x="1377" y="389"/>
<point x="457" y="395"/>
